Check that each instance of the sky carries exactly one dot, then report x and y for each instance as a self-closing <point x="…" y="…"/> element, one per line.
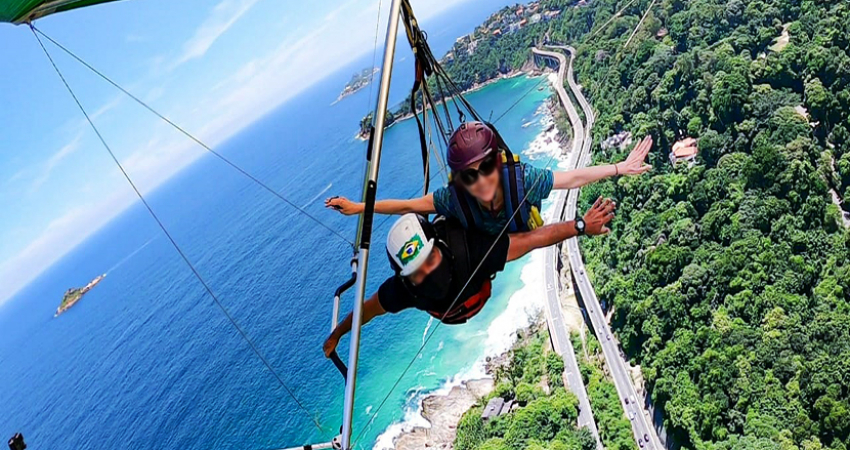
<point x="212" y="66"/>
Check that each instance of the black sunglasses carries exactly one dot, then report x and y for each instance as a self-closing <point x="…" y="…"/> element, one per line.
<point x="487" y="166"/>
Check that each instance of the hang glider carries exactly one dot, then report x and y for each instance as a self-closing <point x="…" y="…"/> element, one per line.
<point x="23" y="11"/>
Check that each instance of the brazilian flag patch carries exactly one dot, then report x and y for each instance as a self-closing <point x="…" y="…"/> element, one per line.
<point x="410" y="249"/>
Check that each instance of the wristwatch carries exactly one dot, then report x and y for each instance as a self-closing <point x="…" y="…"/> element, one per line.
<point x="580" y="225"/>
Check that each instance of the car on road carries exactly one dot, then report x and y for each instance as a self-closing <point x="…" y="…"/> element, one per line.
<point x="609" y="337"/>
<point x="632" y="398"/>
<point x="627" y="401"/>
<point x="640" y="443"/>
<point x="632" y="415"/>
<point x="646" y="437"/>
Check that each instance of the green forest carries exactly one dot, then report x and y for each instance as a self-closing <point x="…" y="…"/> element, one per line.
<point x="729" y="280"/>
<point x="615" y="430"/>
<point x="547" y="417"/>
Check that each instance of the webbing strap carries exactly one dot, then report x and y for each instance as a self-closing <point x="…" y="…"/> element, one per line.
<point x="461" y="207"/>
<point x="468" y="309"/>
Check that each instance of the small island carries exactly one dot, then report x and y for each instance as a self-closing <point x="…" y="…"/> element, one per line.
<point x="73" y="295"/>
<point x="358" y="81"/>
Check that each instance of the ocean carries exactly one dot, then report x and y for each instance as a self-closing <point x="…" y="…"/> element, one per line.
<point x="147" y="361"/>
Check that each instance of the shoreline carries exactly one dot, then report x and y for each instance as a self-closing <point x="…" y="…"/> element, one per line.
<point x="442" y="410"/>
<point x="507" y="76"/>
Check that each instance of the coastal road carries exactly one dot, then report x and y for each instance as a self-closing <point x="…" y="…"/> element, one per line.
<point x="566" y="71"/>
<point x="554" y="313"/>
<point x="635" y="410"/>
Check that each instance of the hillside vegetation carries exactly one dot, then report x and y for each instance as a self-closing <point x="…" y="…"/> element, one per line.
<point x="729" y="280"/>
<point x="548" y="415"/>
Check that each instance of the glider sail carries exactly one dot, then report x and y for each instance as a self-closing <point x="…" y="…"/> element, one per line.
<point x="23" y="11"/>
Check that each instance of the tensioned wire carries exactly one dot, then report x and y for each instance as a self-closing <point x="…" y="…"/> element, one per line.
<point x="454" y="302"/>
<point x="452" y="305"/>
<point x="191" y="136"/>
<point x="37" y="31"/>
<point x="487" y="254"/>
<point x="174" y="244"/>
<point x="443" y="168"/>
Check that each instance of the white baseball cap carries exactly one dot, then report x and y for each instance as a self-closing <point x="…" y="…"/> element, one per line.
<point x="408" y="245"/>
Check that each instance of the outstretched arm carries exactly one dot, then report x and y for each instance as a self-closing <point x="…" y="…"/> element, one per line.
<point x="596" y="220"/>
<point x="633" y="165"/>
<point x="371" y="308"/>
<point x="421" y="205"/>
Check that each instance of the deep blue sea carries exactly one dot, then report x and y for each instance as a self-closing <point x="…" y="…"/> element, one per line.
<point x="147" y="361"/>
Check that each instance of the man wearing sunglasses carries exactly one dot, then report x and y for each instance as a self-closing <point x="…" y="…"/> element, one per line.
<point x="445" y="270"/>
<point x="489" y="184"/>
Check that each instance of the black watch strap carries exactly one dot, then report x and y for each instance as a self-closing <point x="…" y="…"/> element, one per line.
<point x="580" y="226"/>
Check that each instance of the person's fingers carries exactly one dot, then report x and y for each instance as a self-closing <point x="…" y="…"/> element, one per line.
<point x="604" y="205"/>
<point x="608" y="217"/>
<point x="606" y="230"/>
<point x="645" y="168"/>
<point x="597" y="203"/>
<point x="648" y="146"/>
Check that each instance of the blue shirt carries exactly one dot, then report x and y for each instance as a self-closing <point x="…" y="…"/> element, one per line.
<point x="536" y="190"/>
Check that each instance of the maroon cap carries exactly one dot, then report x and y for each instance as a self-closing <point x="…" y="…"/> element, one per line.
<point x="471" y="142"/>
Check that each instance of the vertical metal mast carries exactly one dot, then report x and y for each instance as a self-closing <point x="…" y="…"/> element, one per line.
<point x="364" y="229"/>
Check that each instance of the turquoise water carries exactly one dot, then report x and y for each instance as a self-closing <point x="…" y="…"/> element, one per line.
<point x="146" y="360"/>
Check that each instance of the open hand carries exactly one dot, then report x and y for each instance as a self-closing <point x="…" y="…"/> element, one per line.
<point x="344" y="206"/>
<point x="598" y="216"/>
<point x="330" y="345"/>
<point x="634" y="164"/>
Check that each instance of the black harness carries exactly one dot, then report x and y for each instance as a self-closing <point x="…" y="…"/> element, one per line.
<point x="450" y="237"/>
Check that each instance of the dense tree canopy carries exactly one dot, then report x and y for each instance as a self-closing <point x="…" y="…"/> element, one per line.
<point x="545" y="421"/>
<point x="730" y="279"/>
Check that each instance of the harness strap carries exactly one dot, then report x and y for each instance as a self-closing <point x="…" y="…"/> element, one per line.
<point x="468" y="309"/>
<point x="510" y="172"/>
<point x="463" y="210"/>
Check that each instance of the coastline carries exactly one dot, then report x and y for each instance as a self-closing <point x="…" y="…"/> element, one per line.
<point x="432" y="422"/>
<point x="443" y="412"/>
<point x="479" y="86"/>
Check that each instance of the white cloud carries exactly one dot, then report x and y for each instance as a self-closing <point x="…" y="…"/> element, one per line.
<point x="40" y="173"/>
<point x="220" y="19"/>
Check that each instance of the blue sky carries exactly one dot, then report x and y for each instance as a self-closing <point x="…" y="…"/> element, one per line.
<point x="212" y="66"/>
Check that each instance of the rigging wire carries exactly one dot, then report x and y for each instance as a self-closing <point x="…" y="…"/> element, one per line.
<point x="374" y="54"/>
<point x="501" y="233"/>
<point x="637" y="27"/>
<point x="543" y="78"/>
<point x="452" y="305"/>
<point x="618" y="14"/>
<point x="174" y="244"/>
<point x="369" y="99"/>
<point x="189" y="135"/>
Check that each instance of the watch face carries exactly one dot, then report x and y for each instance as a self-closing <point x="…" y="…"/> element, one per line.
<point x="580" y="225"/>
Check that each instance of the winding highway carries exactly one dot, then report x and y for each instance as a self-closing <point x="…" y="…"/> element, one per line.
<point x="644" y="432"/>
<point x="558" y="328"/>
